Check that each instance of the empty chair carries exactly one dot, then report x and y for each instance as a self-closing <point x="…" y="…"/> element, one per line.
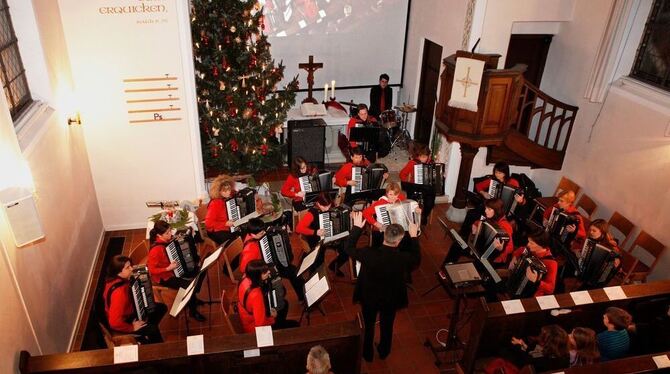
<point x="232" y="318"/>
<point x="230" y="252"/>
<point x="621" y="228"/>
<point x="208" y="245"/>
<point x="139" y="254"/>
<point x="114" y="339"/>
<point x="586" y="206"/>
<point x="566" y="184"/>
<point x="647" y="250"/>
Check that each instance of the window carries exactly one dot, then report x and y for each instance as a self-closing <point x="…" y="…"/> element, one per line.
<point x="12" y="72"/>
<point x="652" y="62"/>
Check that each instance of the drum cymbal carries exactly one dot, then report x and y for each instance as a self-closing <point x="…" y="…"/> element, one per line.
<point x="406" y="108"/>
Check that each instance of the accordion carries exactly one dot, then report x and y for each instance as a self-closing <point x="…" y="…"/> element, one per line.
<point x="336" y="223"/>
<point x="596" y="263"/>
<point x="401" y="213"/>
<point x="368" y="178"/>
<point x="507" y="195"/>
<point x="275" y="295"/>
<point x="431" y="175"/>
<point x="558" y="222"/>
<point x="495" y="187"/>
<point x="183" y="251"/>
<point x="316" y="182"/>
<point x="518" y="284"/>
<point x="241" y="206"/>
<point x="141" y="292"/>
<point x="276" y="247"/>
<point x="482" y="240"/>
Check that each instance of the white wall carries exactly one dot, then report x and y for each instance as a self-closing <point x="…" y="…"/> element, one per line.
<point x="134" y="163"/>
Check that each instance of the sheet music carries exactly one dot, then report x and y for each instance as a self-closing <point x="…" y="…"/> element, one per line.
<point x="248" y="353"/>
<point x="547" y="302"/>
<point x="246" y="219"/>
<point x="581" y="297"/>
<point x="662" y="361"/>
<point x="209" y="260"/>
<point x="311" y="282"/>
<point x="316" y="291"/>
<point x="335" y="237"/>
<point x="195" y="345"/>
<point x="615" y="293"/>
<point x="184" y="295"/>
<point x="513" y="306"/>
<point x="264" y="336"/>
<point x="126" y="353"/>
<point x="308" y="261"/>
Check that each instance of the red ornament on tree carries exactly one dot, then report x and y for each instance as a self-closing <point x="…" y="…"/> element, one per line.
<point x="233" y="145"/>
<point x="264" y="149"/>
<point x="250" y="104"/>
<point x="215" y="71"/>
<point x="232" y="112"/>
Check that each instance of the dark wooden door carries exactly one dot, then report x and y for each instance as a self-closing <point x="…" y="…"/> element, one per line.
<point x="430" y="76"/>
<point x="529" y="49"/>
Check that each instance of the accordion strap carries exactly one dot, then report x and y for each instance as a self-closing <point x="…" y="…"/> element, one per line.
<point x="108" y="297"/>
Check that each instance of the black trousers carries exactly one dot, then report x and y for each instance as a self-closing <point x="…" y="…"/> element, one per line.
<point x="386" y="319"/>
<point x="297" y="283"/>
<point x="222" y="237"/>
<point x="177" y="283"/>
<point x="280" y="320"/>
<point x="150" y="333"/>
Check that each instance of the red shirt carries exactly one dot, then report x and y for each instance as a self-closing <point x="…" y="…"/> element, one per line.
<point x="304" y="226"/>
<point x="290" y="187"/>
<point x="484" y="185"/>
<point x="352" y="123"/>
<point x="217" y="216"/>
<point x="548" y="281"/>
<point x="369" y="213"/>
<point x="120" y="309"/>
<point x="581" y="231"/>
<point x="344" y="174"/>
<point x="251" y="251"/>
<point x="252" y="313"/>
<point x="157" y="262"/>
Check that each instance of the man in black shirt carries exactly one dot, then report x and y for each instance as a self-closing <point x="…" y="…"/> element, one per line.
<point x="381" y="97"/>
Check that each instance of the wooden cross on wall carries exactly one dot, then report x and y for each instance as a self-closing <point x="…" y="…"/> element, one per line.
<point x="311" y="66"/>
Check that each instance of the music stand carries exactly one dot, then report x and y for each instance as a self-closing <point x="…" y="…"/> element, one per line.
<point x="182" y="299"/>
<point x="207" y="262"/>
<point x="316" y="289"/>
<point x="310" y="197"/>
<point x="368" y="136"/>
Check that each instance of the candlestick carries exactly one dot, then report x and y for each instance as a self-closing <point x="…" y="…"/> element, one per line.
<point x="332" y="83"/>
<point x="325" y="93"/>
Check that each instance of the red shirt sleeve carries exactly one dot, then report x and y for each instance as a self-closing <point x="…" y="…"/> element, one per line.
<point x="217" y="216"/>
<point x="119" y="309"/>
<point x="250" y="252"/>
<point x="157" y="262"/>
<point x="352" y="123"/>
<point x="407" y="172"/>
<point x="370" y="214"/>
<point x="509" y="247"/>
<point x="257" y="305"/>
<point x="513" y="183"/>
<point x="548" y="282"/>
<point x="290" y="187"/>
<point x="483" y="185"/>
<point x="547" y="212"/>
<point x="343" y="175"/>
<point x="303" y="225"/>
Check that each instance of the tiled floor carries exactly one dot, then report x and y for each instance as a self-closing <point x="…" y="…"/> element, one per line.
<point x="423" y="318"/>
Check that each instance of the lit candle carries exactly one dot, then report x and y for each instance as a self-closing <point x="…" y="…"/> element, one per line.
<point x="332" y="83"/>
<point x="325" y="93"/>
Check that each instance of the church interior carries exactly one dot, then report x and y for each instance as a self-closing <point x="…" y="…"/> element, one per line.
<point x="112" y="110"/>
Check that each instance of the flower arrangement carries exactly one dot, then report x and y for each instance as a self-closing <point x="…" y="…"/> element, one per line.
<point x="178" y="219"/>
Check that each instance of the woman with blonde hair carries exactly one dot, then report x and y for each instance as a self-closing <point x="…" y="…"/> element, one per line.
<point x="217" y="222"/>
<point x="318" y="361"/>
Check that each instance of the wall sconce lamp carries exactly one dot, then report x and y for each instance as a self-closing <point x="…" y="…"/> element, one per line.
<point x="74" y="119"/>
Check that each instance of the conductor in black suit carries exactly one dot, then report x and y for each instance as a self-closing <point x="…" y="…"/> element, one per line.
<point x="380" y="288"/>
<point x="381" y="97"/>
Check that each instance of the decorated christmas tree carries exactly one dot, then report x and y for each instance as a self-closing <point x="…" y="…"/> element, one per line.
<point x="239" y="104"/>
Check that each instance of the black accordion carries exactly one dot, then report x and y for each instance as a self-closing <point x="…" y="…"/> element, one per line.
<point x="596" y="264"/>
<point x="518" y="284"/>
<point x="184" y="252"/>
<point x="368" y="178"/>
<point x="336" y="223"/>
<point x="241" y="205"/>
<point x="275" y="295"/>
<point x="276" y="247"/>
<point x="558" y="223"/>
<point x="482" y="240"/>
<point x="430" y="175"/>
<point x="321" y="181"/>
<point x="141" y="292"/>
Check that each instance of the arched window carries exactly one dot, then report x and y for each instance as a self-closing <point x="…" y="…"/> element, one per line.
<point x="12" y="73"/>
<point x="652" y="62"/>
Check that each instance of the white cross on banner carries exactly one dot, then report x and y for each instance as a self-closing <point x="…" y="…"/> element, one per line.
<point x="467" y="83"/>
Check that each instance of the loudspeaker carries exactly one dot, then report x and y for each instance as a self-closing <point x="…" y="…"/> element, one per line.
<point x="307" y="138"/>
<point x="22" y="215"/>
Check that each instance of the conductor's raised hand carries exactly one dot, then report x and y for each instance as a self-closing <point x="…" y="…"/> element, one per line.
<point x="413" y="230"/>
<point x="359" y="220"/>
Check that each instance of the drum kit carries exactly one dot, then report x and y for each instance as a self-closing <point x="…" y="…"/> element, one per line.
<point x="395" y="122"/>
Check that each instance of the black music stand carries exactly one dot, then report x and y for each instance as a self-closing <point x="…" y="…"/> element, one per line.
<point x="367" y="195"/>
<point x="207" y="262"/>
<point x="314" y="296"/>
<point x="457" y="290"/>
<point x="310" y="197"/>
<point x="368" y="136"/>
<point x="182" y="299"/>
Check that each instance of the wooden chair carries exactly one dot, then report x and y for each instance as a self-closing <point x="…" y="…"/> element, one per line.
<point x="139" y="254"/>
<point x="586" y="206"/>
<point x="647" y="250"/>
<point x="566" y="184"/>
<point x="624" y="227"/>
<point x="628" y="265"/>
<point x="116" y="339"/>
<point x="233" y="249"/>
<point x="232" y="318"/>
<point x="208" y="245"/>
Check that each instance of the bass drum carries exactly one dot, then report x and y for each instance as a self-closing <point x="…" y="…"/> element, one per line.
<point x="388" y="119"/>
<point x="384" y="143"/>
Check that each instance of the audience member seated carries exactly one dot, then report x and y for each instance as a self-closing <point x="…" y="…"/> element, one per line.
<point x="119" y="308"/>
<point x="549" y="351"/>
<point x="614" y="342"/>
<point x="318" y="361"/>
<point x="583" y="347"/>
